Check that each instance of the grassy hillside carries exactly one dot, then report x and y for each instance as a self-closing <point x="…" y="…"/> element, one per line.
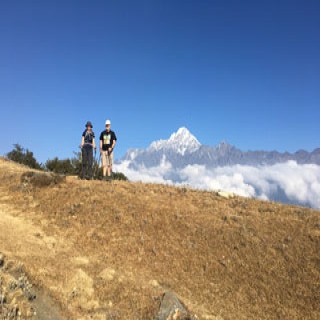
<point x="109" y="251"/>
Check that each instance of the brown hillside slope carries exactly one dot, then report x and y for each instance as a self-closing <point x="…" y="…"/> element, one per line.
<point x="109" y="251"/>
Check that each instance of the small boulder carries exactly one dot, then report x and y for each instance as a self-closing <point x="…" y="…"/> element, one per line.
<point x="172" y="308"/>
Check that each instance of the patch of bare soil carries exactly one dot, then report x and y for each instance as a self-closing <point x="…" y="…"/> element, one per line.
<point x="110" y="251"/>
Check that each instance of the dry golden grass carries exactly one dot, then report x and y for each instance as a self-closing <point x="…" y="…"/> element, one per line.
<point x="109" y="251"/>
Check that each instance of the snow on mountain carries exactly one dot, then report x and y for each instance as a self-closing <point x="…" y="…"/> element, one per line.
<point x="183" y="148"/>
<point x="181" y="142"/>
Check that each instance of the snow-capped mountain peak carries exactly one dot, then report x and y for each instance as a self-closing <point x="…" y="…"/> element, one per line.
<point x="181" y="141"/>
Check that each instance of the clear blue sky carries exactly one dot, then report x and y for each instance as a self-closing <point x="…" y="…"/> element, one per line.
<point x="243" y="71"/>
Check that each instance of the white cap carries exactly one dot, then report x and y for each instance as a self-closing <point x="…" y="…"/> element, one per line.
<point x="108" y="122"/>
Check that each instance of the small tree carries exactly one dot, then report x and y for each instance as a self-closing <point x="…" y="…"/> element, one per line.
<point x="23" y="156"/>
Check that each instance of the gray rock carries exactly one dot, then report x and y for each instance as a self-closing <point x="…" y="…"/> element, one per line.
<point x="172" y="308"/>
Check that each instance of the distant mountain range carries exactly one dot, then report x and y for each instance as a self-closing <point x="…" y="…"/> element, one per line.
<point x="183" y="148"/>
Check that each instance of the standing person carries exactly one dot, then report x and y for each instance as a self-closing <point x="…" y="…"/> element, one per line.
<point x="108" y="141"/>
<point x="87" y="146"/>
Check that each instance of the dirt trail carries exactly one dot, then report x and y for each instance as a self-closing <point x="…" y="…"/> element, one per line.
<point x="22" y="246"/>
<point x="18" y="236"/>
<point x="26" y="244"/>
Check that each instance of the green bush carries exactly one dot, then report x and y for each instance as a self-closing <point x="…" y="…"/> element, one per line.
<point x="23" y="156"/>
<point x="65" y="166"/>
<point x="119" y="176"/>
<point x="115" y="175"/>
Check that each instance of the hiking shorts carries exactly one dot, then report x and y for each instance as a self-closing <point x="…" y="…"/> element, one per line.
<point x="107" y="159"/>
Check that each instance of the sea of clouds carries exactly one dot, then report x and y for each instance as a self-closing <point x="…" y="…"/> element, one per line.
<point x="285" y="182"/>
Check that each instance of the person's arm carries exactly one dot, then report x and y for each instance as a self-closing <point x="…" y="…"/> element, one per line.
<point x="82" y="141"/>
<point x="114" y="141"/>
<point x="94" y="143"/>
<point x="100" y="143"/>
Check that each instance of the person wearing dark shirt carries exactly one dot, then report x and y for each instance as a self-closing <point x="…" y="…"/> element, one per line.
<point x="87" y="146"/>
<point x="108" y="141"/>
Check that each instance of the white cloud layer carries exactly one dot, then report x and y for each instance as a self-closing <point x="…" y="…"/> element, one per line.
<point x="286" y="182"/>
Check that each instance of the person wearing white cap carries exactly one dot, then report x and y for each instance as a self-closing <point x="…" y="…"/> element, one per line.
<point x="108" y="141"/>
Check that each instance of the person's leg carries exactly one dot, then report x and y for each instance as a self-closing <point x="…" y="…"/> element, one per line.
<point x="90" y="162"/>
<point x="104" y="163"/>
<point x="87" y="164"/>
<point x="84" y="163"/>
<point x="110" y="162"/>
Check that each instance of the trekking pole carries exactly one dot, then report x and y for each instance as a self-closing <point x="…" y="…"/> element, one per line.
<point x="81" y="163"/>
<point x="94" y="164"/>
<point x="99" y="164"/>
<point x="80" y="153"/>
